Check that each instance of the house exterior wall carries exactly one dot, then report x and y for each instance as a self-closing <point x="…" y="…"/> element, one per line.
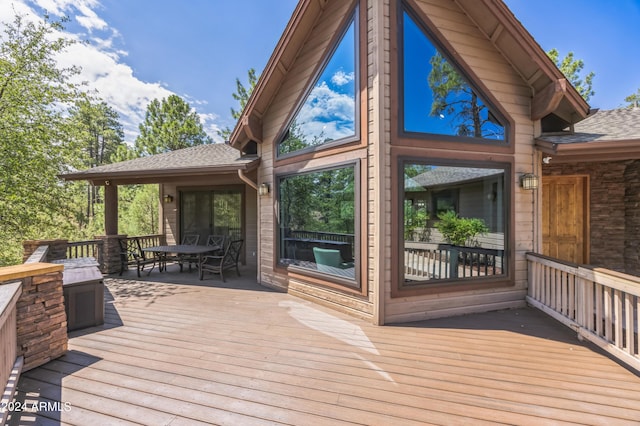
<point x="375" y="152"/>
<point x="613" y="194"/>
<point x="170" y="224"/>
<point x="477" y="54"/>
<point x="300" y="75"/>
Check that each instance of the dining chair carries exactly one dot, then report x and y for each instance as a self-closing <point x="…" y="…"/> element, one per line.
<point x="217" y="241"/>
<point x="189" y="240"/>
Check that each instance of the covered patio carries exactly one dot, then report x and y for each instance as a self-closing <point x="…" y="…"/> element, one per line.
<point x="176" y="350"/>
<point x="204" y="190"/>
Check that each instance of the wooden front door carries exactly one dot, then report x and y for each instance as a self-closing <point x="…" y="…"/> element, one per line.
<point x="565" y="218"/>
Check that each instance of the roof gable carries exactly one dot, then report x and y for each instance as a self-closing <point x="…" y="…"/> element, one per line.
<point x="553" y="97"/>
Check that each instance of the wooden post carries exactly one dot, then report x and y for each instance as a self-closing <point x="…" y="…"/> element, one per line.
<point x="110" y="209"/>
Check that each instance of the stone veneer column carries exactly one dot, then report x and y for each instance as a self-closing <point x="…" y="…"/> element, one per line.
<point x="57" y="249"/>
<point x="111" y="252"/>
<point x="41" y="321"/>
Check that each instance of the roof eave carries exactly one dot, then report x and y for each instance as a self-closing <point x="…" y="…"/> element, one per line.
<point x="564" y="101"/>
<point x="249" y="125"/>
<point x="594" y="151"/>
<point x="161" y="174"/>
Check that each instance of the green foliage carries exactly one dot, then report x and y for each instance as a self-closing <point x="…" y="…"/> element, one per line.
<point x="99" y="132"/>
<point x="454" y="97"/>
<point x="169" y="125"/>
<point x="34" y="93"/>
<point x="633" y="100"/>
<point x="460" y="231"/>
<point x="572" y="70"/>
<point x="138" y="209"/>
<point x="415" y="222"/>
<point x="320" y="201"/>
<point x="241" y="95"/>
<point x="97" y="135"/>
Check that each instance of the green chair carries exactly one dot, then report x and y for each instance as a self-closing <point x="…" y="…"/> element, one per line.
<point x="327" y="259"/>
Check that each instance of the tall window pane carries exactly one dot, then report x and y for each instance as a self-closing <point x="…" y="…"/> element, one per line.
<point x="454" y="222"/>
<point x="328" y="113"/>
<point x="318" y="221"/>
<point x="437" y="98"/>
<point x="207" y="213"/>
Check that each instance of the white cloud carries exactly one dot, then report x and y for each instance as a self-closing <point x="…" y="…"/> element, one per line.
<point x="341" y="78"/>
<point x="100" y="61"/>
<point x="327" y="114"/>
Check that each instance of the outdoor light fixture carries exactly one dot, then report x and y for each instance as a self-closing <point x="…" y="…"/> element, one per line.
<point x="168" y="199"/>
<point x="263" y="189"/>
<point x="529" y="181"/>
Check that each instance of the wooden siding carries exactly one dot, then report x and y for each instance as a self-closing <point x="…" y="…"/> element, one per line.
<point x="379" y="64"/>
<point x="294" y="86"/>
<point x="237" y="354"/>
<point x="507" y="88"/>
<point x="495" y="77"/>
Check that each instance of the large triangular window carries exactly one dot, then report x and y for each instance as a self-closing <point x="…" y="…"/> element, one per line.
<point x="328" y="113"/>
<point x="437" y="98"/>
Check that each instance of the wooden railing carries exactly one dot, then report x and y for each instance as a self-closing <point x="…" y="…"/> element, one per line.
<point x="601" y="305"/>
<point x="444" y="261"/>
<point x="90" y="248"/>
<point x="144" y="241"/>
<point x="326" y="236"/>
<point x="10" y="363"/>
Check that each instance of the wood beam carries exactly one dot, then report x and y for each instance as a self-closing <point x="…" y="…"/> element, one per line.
<point x="496" y="33"/>
<point x="111" y="209"/>
<point x="252" y="127"/>
<point x="548" y="99"/>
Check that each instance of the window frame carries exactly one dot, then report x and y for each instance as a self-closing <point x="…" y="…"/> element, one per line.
<point x="354" y="286"/>
<point x="435" y="140"/>
<point x="353" y="17"/>
<point x="402" y="157"/>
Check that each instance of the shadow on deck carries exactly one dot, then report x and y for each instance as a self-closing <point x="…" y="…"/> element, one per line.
<point x="176" y="350"/>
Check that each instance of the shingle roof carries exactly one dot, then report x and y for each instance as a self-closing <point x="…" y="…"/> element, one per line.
<point x="606" y="125"/>
<point x="443" y="175"/>
<point x="201" y="158"/>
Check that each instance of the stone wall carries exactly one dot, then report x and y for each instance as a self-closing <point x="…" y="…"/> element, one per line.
<point x="56" y="249"/>
<point x="41" y="321"/>
<point x="608" y="206"/>
<point x="111" y="253"/>
<point x="632" y="218"/>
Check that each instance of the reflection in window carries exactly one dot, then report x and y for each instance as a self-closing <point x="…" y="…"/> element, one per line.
<point x="317" y="221"/>
<point x="328" y="113"/>
<point x="437" y="98"/>
<point x="207" y="213"/>
<point x="454" y="222"/>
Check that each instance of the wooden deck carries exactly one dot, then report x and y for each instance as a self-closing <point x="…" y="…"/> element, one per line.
<point x="191" y="352"/>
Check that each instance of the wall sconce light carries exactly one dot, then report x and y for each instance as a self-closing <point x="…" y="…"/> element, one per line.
<point x="168" y="199"/>
<point x="263" y="189"/>
<point x="529" y="181"/>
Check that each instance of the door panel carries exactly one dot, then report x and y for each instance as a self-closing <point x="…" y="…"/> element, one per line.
<point x="217" y="212"/>
<point x="564" y="218"/>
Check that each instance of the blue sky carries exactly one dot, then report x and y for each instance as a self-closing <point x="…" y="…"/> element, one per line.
<point x="140" y="50"/>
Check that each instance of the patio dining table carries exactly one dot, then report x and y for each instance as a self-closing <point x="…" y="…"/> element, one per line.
<point x="179" y="249"/>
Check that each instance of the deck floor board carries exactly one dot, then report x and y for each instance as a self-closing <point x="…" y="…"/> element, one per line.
<point x="178" y="351"/>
